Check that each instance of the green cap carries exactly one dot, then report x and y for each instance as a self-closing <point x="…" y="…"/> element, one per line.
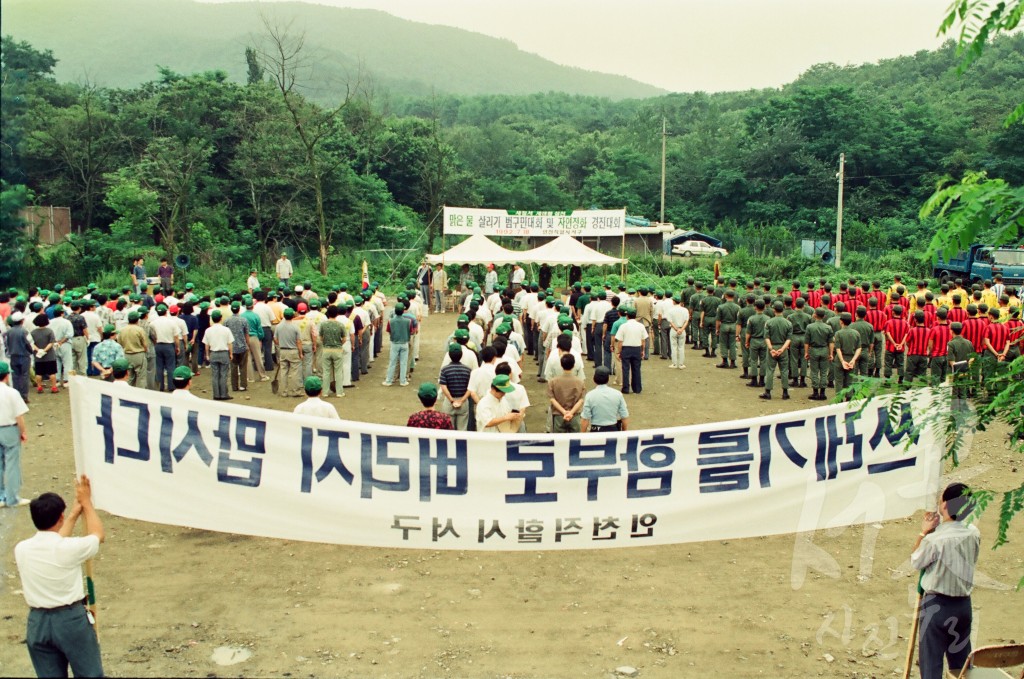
<point x="183" y="373"/>
<point x="133" y="317"/>
<point x="313" y="303"/>
<point x="5" y="369"/>
<point x="454" y="345"/>
<point x="428" y="389"/>
<point x="161" y="308"/>
<point x="503" y="383"/>
<point x="235" y="306"/>
<point x="109" y="329"/>
<point x="189" y="286"/>
<point x="204" y="305"/>
<point x="461" y="333"/>
<point x="216" y="315"/>
<point x="121" y="364"/>
<point x="504" y="329"/>
<point x="289" y="312"/>
<point x="399" y="307"/>
<point x="313" y="383"/>
<point x="463" y="318"/>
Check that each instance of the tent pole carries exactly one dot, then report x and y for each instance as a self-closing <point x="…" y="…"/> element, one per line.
<point x="623" y="256"/>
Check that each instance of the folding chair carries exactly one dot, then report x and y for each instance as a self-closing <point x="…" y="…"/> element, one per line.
<point x="986" y="662"/>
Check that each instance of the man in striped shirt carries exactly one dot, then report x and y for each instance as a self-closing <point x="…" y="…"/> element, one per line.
<point x="997" y="339"/>
<point x="947" y="551"/>
<point x="917" y="348"/>
<point x="938" y="337"/>
<point x="974" y="329"/>
<point x="896" y="331"/>
<point x="876" y="317"/>
<point x="957" y="314"/>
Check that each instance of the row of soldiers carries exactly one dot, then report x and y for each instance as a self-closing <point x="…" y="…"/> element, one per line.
<point x="908" y="335"/>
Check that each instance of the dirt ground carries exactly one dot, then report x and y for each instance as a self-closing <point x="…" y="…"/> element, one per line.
<point x="828" y="604"/>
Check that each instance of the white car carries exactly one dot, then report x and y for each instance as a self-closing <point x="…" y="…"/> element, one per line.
<point x="693" y="248"/>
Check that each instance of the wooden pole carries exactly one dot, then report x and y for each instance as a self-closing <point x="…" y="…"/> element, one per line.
<point x="913" y="638"/>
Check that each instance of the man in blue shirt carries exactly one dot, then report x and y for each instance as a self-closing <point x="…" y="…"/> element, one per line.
<point x="604" y="408"/>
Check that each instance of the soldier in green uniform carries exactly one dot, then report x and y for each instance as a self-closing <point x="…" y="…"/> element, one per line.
<point x="755" y="343"/>
<point x="725" y="328"/>
<point x="867" y="341"/>
<point x="694" y="307"/>
<point x="709" y="312"/>
<point x="958" y="354"/>
<point x="746" y="311"/>
<point x="800" y="319"/>
<point x="835" y="322"/>
<point x="847" y="344"/>
<point x="819" y="351"/>
<point x="778" y="333"/>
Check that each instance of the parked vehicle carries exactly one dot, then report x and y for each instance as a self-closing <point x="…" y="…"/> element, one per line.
<point x="697" y="248"/>
<point x="982" y="262"/>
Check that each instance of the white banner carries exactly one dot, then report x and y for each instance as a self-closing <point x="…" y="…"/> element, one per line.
<point x="238" y="469"/>
<point x="470" y="220"/>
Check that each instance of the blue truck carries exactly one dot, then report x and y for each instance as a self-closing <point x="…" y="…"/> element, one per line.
<point x="982" y="262"/>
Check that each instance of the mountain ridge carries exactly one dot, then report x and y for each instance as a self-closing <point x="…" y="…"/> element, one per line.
<point x="120" y="43"/>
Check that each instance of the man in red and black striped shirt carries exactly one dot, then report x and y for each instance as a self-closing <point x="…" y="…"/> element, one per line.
<point x="974" y="329"/>
<point x="917" y="348"/>
<point x="876" y="317"/>
<point x="899" y="299"/>
<point x="938" y="338"/>
<point x="1016" y="326"/>
<point x="997" y="338"/>
<point x="813" y="296"/>
<point x="879" y="294"/>
<point x="957" y="314"/>
<point x="842" y="296"/>
<point x="896" y="331"/>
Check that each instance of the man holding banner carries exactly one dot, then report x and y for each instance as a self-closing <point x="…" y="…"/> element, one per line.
<point x="60" y="629"/>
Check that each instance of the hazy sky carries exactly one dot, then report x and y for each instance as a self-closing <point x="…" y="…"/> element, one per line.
<point x="687" y="45"/>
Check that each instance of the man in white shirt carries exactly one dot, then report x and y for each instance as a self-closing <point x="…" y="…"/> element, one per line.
<point x="60" y="631"/>
<point x="490" y="280"/>
<point x="12" y="434"/>
<point x="218" y="340"/>
<point x="63" y="334"/>
<point x="518" y="400"/>
<point x="494" y="411"/>
<point x="253" y="283"/>
<point x="678" y="317"/>
<point x="313" y="405"/>
<point x="632" y="338"/>
<point x="440" y="285"/>
<point x="94" y="328"/>
<point x="480" y="379"/>
<point x="267" y="320"/>
<point x="284" y="270"/>
<point x="167" y="333"/>
<point x="518" y="277"/>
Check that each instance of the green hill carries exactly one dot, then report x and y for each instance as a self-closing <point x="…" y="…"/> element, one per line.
<point x="120" y="43"/>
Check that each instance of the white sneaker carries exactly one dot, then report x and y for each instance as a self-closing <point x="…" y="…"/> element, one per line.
<point x="2" y="504"/>
<point x="385" y="384"/>
<point x="241" y="389"/>
<point x="265" y="378"/>
<point x="23" y="502"/>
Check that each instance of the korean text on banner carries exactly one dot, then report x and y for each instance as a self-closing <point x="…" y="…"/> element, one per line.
<point x="225" y="467"/>
<point x="590" y="223"/>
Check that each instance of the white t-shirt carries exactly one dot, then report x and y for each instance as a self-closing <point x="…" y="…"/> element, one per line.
<point x="632" y="333"/>
<point x="51" y="568"/>
<point x="678" y="315"/>
<point x="490" y="408"/>
<point x="165" y="328"/>
<point x="253" y="283"/>
<point x="317" y="407"/>
<point x="480" y="379"/>
<point x="218" y="338"/>
<point x="12" y="406"/>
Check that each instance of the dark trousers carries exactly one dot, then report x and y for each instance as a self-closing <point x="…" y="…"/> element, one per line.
<point x="631" y="370"/>
<point x="528" y="335"/>
<point x="945" y="632"/>
<point x="20" y="366"/>
<point x="666" y="339"/>
<point x="239" y="371"/>
<point x="608" y="362"/>
<point x="166" y="362"/>
<point x="589" y="338"/>
<point x="356" y="355"/>
<point x="268" y="348"/>
<point x="60" y="637"/>
<point x="598" y="342"/>
<point x="91" y="371"/>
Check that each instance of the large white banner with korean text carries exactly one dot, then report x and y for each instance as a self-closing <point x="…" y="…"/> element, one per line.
<point x="238" y="469"/>
<point x="488" y="222"/>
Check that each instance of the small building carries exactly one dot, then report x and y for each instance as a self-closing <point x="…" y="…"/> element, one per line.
<point x="46" y="224"/>
<point x="638" y="241"/>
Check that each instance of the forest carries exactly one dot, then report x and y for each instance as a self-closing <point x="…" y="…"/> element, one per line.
<point x="231" y="173"/>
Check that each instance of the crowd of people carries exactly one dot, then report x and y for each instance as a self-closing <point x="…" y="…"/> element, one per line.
<point x="158" y="334"/>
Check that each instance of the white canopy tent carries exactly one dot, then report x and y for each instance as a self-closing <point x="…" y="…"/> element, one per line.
<point x="480" y="249"/>
<point x="476" y="249"/>
<point x="567" y="250"/>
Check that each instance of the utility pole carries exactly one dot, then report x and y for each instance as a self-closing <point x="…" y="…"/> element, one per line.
<point x="663" y="135"/>
<point x="839" y="212"/>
